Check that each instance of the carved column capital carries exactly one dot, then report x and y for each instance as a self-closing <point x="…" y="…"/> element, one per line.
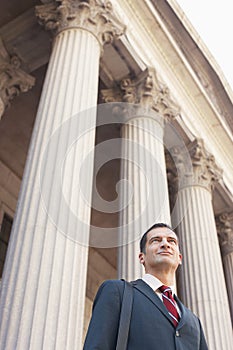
<point x="225" y="234"/>
<point x="195" y="166"/>
<point x="95" y="16"/>
<point x="205" y="170"/>
<point x="111" y="95"/>
<point x="13" y="80"/>
<point x="147" y="91"/>
<point x="148" y="96"/>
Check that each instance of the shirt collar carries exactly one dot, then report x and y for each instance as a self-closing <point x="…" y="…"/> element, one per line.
<point x="154" y="282"/>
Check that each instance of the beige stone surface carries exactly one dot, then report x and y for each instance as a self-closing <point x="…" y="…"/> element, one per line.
<point x="158" y="35"/>
<point x="202" y="285"/>
<point x="53" y="276"/>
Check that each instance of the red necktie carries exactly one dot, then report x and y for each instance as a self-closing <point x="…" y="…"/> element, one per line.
<point x="170" y="304"/>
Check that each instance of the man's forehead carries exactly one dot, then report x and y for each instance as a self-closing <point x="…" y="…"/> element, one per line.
<point x="161" y="231"/>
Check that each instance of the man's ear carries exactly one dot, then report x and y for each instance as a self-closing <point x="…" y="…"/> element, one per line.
<point x="141" y="258"/>
<point x="180" y="256"/>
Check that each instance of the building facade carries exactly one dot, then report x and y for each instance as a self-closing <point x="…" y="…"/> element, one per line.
<point x="114" y="116"/>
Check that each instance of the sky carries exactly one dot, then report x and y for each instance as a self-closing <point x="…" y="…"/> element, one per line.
<point x="213" y="20"/>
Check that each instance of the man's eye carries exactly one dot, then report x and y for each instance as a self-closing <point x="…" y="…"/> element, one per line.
<point x="155" y="240"/>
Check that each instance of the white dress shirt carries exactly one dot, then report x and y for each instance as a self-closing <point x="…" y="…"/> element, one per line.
<point x="155" y="284"/>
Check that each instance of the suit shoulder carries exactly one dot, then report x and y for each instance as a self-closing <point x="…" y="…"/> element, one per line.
<point x="110" y="287"/>
<point x="112" y="284"/>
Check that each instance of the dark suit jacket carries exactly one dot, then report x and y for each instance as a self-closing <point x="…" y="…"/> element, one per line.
<point x="151" y="327"/>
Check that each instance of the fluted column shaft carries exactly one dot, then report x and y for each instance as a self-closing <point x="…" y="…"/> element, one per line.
<point x="144" y="188"/>
<point x="225" y="235"/>
<point x="201" y="282"/>
<point x="228" y="269"/>
<point x="144" y="173"/>
<point x="44" y="282"/>
<point x="43" y="285"/>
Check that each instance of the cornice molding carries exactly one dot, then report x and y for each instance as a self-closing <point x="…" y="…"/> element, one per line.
<point x="211" y="78"/>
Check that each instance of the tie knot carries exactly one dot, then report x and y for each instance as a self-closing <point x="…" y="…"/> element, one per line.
<point x="165" y="289"/>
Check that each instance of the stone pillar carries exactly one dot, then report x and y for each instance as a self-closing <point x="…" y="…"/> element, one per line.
<point x="13" y="80"/>
<point x="44" y="282"/>
<point x="225" y="235"/>
<point x="201" y="281"/>
<point x="143" y="190"/>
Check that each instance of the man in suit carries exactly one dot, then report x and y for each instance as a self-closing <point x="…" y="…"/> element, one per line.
<point x="158" y="321"/>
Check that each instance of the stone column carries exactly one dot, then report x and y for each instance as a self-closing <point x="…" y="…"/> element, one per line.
<point x="143" y="190"/>
<point x="13" y="80"/>
<point x="44" y="282"/>
<point x="225" y="235"/>
<point x="201" y="282"/>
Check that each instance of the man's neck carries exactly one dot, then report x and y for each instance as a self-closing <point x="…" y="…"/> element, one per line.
<point x="167" y="278"/>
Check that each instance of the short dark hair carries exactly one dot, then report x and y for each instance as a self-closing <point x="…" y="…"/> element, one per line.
<point x="144" y="237"/>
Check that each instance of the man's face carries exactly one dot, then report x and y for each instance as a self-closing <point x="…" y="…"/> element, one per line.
<point x="162" y="250"/>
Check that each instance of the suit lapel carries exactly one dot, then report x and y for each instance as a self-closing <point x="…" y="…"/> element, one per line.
<point x="145" y="289"/>
<point x="183" y="312"/>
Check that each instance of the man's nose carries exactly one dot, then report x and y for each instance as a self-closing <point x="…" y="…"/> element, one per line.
<point x="165" y="243"/>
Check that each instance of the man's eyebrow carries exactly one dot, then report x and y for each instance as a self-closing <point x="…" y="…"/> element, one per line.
<point x="153" y="237"/>
<point x="168" y="237"/>
<point x="175" y="238"/>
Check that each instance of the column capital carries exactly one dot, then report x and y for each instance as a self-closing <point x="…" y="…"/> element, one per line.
<point x="146" y="93"/>
<point x="225" y="233"/>
<point x="195" y="166"/>
<point x="95" y="16"/>
<point x="13" y="80"/>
